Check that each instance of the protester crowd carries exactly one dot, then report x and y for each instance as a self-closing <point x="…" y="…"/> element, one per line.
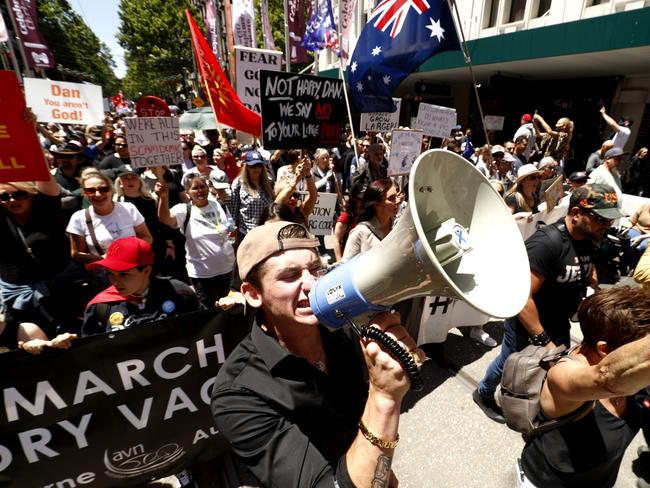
<point x="103" y="245"/>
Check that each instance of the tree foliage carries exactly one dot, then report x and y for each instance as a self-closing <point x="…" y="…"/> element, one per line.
<point x="156" y="40"/>
<point x="76" y="49"/>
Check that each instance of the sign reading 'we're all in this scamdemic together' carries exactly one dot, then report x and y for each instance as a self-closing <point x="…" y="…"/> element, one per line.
<point x="301" y="111"/>
<point x="153" y="141"/>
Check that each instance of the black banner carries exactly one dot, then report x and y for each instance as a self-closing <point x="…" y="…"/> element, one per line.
<point x="301" y="111"/>
<point x="115" y="409"/>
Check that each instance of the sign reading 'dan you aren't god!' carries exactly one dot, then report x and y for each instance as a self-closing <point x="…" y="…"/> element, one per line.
<point x="65" y="103"/>
<point x="153" y="141"/>
<point x="301" y="111"/>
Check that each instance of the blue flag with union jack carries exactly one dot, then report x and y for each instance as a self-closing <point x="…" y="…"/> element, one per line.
<point x="400" y="35"/>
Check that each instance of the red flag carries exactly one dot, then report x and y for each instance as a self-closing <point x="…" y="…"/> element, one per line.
<point x="227" y="106"/>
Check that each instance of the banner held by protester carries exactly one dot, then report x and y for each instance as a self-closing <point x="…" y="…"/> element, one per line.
<point x="405" y="147"/>
<point x="153" y="141"/>
<point x="249" y="63"/>
<point x="115" y="409"/>
<point x="65" y="103"/>
<point x="435" y="120"/>
<point x="301" y="111"/>
<point x="381" y="121"/>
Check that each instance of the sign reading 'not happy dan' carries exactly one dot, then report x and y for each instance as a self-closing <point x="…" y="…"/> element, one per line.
<point x="301" y="111"/>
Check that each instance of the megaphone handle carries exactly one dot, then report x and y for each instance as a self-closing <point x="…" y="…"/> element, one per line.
<point x="392" y="347"/>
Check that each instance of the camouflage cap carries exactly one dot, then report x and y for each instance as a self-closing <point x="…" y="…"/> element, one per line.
<point x="600" y="199"/>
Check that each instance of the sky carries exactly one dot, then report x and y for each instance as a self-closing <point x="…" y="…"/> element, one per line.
<point x="102" y="18"/>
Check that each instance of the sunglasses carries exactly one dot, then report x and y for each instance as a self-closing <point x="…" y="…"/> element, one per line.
<point x="94" y="189"/>
<point x="120" y="145"/>
<point x="295" y="195"/>
<point x="255" y="166"/>
<point x="599" y="220"/>
<point x="199" y="157"/>
<point x="18" y="196"/>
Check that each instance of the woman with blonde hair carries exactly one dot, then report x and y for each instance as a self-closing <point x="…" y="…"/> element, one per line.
<point x="252" y="194"/>
<point x="523" y="196"/>
<point x="93" y="229"/>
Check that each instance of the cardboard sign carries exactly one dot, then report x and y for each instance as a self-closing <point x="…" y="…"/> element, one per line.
<point x="153" y="141"/>
<point x="494" y="122"/>
<point x="554" y="193"/>
<point x="322" y="219"/>
<point x="249" y="63"/>
<point x="435" y="120"/>
<point x="65" y="103"/>
<point x="405" y="147"/>
<point x="21" y="156"/>
<point x="381" y="121"/>
<point x="149" y="106"/>
<point x="301" y="111"/>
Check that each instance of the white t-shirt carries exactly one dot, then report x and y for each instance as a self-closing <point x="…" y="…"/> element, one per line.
<point x="208" y="251"/>
<point x="621" y="137"/>
<point x="601" y="175"/>
<point x="121" y="222"/>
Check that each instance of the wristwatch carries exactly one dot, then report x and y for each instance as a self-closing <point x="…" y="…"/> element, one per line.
<point x="540" y="339"/>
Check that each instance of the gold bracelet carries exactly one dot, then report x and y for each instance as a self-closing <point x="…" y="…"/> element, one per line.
<point x="376" y="441"/>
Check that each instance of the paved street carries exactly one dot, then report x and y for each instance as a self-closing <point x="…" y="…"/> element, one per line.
<point x="447" y="441"/>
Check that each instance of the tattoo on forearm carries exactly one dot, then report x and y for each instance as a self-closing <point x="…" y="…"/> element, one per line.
<point x="382" y="472"/>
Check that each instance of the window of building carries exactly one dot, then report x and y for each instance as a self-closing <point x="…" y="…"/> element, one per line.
<point x="492" y="9"/>
<point x="517" y="10"/>
<point x="543" y="6"/>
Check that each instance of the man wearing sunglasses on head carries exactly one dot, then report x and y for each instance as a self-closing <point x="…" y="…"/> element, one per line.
<point x="561" y="269"/>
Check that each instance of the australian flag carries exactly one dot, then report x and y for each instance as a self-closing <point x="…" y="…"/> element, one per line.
<point x="399" y="36"/>
<point x="320" y="31"/>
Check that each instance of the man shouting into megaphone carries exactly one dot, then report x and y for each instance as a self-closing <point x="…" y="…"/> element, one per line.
<point x="291" y="399"/>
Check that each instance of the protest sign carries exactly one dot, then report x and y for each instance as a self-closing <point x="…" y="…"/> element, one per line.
<point x="381" y="121"/>
<point x="301" y="111"/>
<point x="493" y="122"/>
<point x="153" y="141"/>
<point x="554" y="193"/>
<point x="435" y="120"/>
<point x="150" y="106"/>
<point x="405" y="147"/>
<point x="321" y="220"/>
<point x="115" y="409"/>
<point x="249" y="63"/>
<point x="65" y="103"/>
<point x="21" y="157"/>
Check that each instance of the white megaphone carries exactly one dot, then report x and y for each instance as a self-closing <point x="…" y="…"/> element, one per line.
<point x="457" y="238"/>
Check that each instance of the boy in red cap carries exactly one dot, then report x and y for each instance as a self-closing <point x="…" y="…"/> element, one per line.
<point x="134" y="297"/>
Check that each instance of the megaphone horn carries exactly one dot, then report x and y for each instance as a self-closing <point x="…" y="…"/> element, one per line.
<point x="457" y="238"/>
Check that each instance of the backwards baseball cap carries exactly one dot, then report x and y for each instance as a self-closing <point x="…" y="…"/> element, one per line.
<point x="253" y="157"/>
<point x="125" y="253"/>
<point x="579" y="176"/>
<point x="600" y="199"/>
<point x="615" y="152"/>
<point x="265" y="240"/>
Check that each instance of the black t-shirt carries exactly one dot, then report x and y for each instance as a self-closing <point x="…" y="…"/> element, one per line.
<point x="566" y="266"/>
<point x="585" y="452"/>
<point x="290" y="423"/>
<point x="112" y="162"/>
<point x="44" y="233"/>
<point x="166" y="298"/>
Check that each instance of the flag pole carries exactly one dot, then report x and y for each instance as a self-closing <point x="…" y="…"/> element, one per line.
<point x="287" y="40"/>
<point x="345" y="91"/>
<point x="468" y="61"/>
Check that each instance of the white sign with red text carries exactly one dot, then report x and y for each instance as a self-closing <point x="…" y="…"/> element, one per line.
<point x="65" y="103"/>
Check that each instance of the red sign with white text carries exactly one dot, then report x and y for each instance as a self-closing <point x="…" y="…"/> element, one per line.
<point x="21" y="156"/>
<point x="150" y="106"/>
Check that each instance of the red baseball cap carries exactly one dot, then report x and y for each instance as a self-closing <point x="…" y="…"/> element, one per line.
<point x="125" y="253"/>
<point x="526" y="118"/>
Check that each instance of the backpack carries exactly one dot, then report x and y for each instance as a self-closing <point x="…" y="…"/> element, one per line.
<point x="519" y="394"/>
